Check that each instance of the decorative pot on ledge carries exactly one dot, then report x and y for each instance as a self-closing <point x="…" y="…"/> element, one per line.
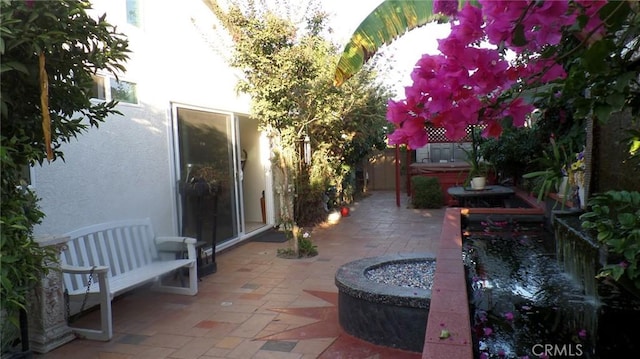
<point x="563" y="187"/>
<point x="478" y="183"/>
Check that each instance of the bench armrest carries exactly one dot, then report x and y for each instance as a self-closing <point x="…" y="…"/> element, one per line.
<point x="186" y="240"/>
<point x="83" y="270"/>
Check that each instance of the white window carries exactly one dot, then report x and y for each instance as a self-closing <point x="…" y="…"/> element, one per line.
<point x="123" y="91"/>
<point x="108" y="88"/>
<point x="97" y="91"/>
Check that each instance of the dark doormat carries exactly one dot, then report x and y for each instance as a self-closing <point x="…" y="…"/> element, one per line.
<point x="272" y="235"/>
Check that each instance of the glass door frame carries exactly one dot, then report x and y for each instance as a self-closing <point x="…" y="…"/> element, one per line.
<point x="176" y="174"/>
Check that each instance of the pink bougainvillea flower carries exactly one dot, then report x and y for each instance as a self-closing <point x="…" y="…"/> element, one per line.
<point x="582" y="334"/>
<point x="30" y="3"/>
<point x="397" y="137"/>
<point x="492" y="129"/>
<point x="483" y="317"/>
<point x="554" y="72"/>
<point x="594" y="26"/>
<point x="543" y="70"/>
<point x="623" y="264"/>
<point x="451" y="47"/>
<point x="462" y="85"/>
<point x="501" y="353"/>
<point x="487" y="331"/>
<point x="454" y="128"/>
<point x="427" y="66"/>
<point x="508" y="316"/>
<point x="518" y="110"/>
<point x="546" y="21"/>
<point x="445" y="7"/>
<point x="490" y="69"/>
<point x="469" y="28"/>
<point x="501" y="17"/>
<point x="415" y="138"/>
<point x="397" y="111"/>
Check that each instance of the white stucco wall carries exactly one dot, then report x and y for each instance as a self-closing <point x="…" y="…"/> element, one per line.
<point x="124" y="169"/>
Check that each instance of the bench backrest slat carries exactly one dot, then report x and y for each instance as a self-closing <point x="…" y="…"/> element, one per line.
<point x="138" y="255"/>
<point x="103" y="248"/>
<point x="122" y="245"/>
<point x="123" y="250"/>
<point x="94" y="255"/>
<point x="70" y="256"/>
<point x="83" y="256"/>
<point x="116" y="267"/>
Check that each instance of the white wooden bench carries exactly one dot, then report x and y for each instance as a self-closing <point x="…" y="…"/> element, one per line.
<point x="119" y="256"/>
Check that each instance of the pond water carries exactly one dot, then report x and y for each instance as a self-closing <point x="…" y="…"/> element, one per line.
<point x="524" y="305"/>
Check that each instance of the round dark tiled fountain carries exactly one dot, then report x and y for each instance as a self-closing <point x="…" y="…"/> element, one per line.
<point x="383" y="314"/>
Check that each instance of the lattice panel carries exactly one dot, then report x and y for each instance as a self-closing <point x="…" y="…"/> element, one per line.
<point x="438" y="135"/>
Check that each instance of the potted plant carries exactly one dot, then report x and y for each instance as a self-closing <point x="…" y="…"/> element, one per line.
<point x="552" y="175"/>
<point x="512" y="153"/>
<point x="478" y="168"/>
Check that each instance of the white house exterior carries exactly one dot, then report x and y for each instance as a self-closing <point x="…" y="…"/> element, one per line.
<point x="186" y="115"/>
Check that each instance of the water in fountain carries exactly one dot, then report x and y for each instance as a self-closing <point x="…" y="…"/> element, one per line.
<point x="579" y="254"/>
<point x="525" y="303"/>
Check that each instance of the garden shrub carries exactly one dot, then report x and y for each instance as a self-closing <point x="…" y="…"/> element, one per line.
<point x="426" y="192"/>
<point x="50" y="51"/>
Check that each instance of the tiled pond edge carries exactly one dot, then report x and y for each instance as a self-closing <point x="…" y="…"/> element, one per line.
<point x="449" y="311"/>
<point x="449" y="302"/>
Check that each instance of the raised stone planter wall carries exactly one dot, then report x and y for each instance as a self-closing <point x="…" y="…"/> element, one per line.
<point x="379" y="313"/>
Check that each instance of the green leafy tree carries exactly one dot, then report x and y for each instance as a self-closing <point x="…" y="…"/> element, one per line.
<point x="288" y="72"/>
<point x="50" y="50"/>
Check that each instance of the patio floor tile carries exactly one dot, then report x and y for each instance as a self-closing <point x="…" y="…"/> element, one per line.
<point x="260" y="306"/>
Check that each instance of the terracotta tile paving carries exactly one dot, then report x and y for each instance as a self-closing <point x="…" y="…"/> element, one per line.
<point x="260" y="306"/>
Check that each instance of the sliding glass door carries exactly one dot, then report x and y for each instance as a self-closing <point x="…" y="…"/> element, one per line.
<point x="207" y="180"/>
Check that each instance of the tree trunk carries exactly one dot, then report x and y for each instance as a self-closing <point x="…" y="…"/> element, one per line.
<point x="286" y="200"/>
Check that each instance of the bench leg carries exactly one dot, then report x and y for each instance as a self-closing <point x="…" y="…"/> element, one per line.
<point x="191" y="289"/>
<point x="106" y="325"/>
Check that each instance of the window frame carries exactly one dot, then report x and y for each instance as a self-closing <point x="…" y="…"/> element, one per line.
<point x="107" y="89"/>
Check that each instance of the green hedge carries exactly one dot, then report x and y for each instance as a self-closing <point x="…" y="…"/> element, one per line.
<point x="426" y="192"/>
